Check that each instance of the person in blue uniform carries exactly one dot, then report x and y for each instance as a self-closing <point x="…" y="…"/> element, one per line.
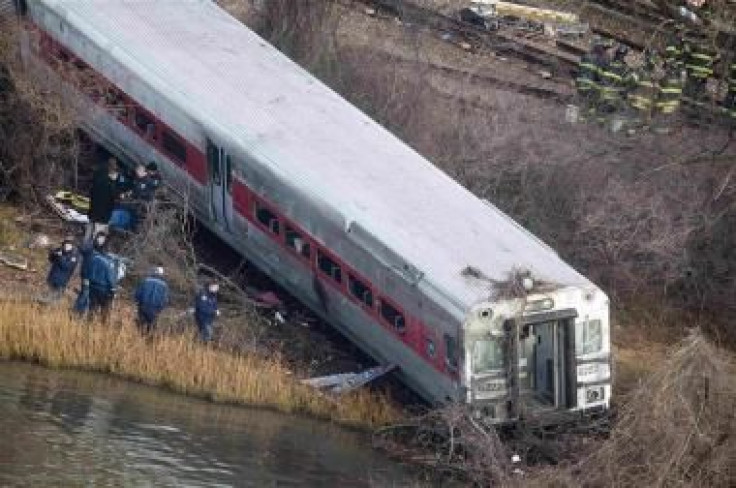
<point x="64" y="262"/>
<point x="101" y="277"/>
<point x="151" y="296"/>
<point x="141" y="192"/>
<point x="206" y="310"/>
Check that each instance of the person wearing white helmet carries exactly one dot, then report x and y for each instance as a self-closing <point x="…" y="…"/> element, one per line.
<point x="206" y="310"/>
<point x="151" y="296"/>
<point x="63" y="261"/>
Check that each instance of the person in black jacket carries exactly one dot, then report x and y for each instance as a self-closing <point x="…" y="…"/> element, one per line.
<point x="63" y="263"/>
<point x="107" y="185"/>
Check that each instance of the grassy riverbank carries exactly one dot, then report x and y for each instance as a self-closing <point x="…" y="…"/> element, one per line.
<point x="51" y="338"/>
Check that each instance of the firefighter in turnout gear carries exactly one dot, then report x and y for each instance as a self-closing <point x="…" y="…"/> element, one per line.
<point x="644" y="92"/>
<point x="588" y="80"/>
<point x="675" y="49"/>
<point x="668" y="102"/>
<point x="613" y="83"/>
<point x="699" y="68"/>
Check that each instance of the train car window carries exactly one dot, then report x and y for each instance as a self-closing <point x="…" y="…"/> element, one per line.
<point x="213" y="158"/>
<point x="174" y="147"/>
<point x="451" y="352"/>
<point x="115" y="103"/>
<point x="393" y="317"/>
<point x="296" y="241"/>
<point x="21" y="7"/>
<point x="267" y="218"/>
<point x="329" y="267"/>
<point x="360" y="290"/>
<point x="144" y="123"/>
<point x="431" y="349"/>
<point x="63" y="55"/>
<point x="229" y="174"/>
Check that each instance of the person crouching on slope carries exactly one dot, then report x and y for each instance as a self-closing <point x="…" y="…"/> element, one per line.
<point x="205" y="310"/>
<point x="152" y="296"/>
<point x="63" y="263"/>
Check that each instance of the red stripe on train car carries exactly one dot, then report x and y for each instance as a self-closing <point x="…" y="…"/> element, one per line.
<point x="126" y="110"/>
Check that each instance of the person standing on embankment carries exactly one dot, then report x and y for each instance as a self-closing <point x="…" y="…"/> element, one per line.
<point x="100" y="275"/>
<point x="107" y="185"/>
<point x="206" y="310"/>
<point x="152" y="296"/>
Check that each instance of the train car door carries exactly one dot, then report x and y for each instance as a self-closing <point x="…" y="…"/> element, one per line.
<point x="220" y="169"/>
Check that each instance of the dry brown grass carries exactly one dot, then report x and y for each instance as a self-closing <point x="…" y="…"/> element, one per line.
<point x="178" y="362"/>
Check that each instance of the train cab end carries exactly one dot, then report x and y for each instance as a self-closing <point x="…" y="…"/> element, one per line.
<point x="538" y="356"/>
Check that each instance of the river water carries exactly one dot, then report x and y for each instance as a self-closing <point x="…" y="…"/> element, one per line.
<point x="63" y="428"/>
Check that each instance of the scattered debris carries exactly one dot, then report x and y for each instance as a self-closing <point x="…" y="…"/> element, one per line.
<point x="267" y="299"/>
<point x="344" y="382"/>
<point x="63" y="204"/>
<point x="13" y="260"/>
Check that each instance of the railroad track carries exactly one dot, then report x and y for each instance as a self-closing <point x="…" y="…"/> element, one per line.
<point x="499" y="42"/>
<point x="480" y="78"/>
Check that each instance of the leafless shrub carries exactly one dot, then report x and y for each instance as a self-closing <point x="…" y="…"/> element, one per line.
<point x="38" y="144"/>
<point x="164" y="238"/>
<point x="450" y="442"/>
<point x="677" y="429"/>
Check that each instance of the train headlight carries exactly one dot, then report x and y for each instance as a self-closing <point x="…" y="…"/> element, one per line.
<point x="594" y="395"/>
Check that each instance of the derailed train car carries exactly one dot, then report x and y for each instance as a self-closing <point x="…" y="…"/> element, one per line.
<point x="396" y="255"/>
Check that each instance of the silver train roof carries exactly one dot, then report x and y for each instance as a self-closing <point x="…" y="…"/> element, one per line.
<point x="215" y="68"/>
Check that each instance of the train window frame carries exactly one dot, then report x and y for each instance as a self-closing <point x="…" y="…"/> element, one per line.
<point x="361" y="294"/>
<point x="334" y="272"/>
<point x="141" y="122"/>
<point x="229" y="174"/>
<point x="291" y="233"/>
<point x="174" y="146"/>
<point x="266" y="217"/>
<point x="391" y="320"/>
<point x="116" y="102"/>
<point x="452" y="358"/>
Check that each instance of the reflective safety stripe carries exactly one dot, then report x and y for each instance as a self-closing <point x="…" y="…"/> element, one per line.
<point x="703" y="57"/>
<point x="667" y="108"/>
<point x="640" y="103"/>
<point x="613" y="76"/>
<point x="671" y="90"/>
<point x="699" y="71"/>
